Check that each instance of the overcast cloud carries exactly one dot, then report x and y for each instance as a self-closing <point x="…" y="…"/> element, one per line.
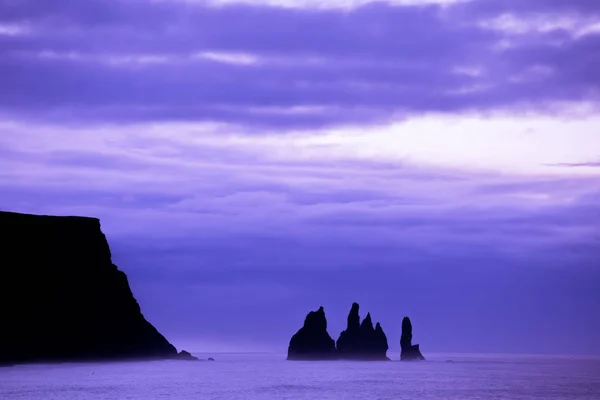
<point x="253" y="160"/>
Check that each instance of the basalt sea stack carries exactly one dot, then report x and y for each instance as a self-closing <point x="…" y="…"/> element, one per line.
<point x="312" y="342"/>
<point x="409" y="351"/>
<point x="360" y="341"/>
<point x="62" y="298"/>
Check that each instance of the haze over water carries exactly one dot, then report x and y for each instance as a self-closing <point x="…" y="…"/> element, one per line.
<point x="258" y="376"/>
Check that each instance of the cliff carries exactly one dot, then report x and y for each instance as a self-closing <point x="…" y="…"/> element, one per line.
<point x="360" y="341"/>
<point x="409" y="351"/>
<point x="62" y="298"/>
<point x="312" y="342"/>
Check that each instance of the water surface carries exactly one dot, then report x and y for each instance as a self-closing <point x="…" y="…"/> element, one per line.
<point x="269" y="376"/>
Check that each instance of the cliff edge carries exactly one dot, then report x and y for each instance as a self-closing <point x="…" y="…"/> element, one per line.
<point x="62" y="298"/>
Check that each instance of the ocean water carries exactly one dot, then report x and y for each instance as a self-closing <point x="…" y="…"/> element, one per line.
<point x="269" y="376"/>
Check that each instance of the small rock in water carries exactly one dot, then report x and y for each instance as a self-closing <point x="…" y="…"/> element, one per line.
<point x="185" y="355"/>
<point x="211" y="359"/>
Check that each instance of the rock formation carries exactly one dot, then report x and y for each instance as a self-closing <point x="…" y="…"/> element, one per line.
<point x="185" y="355"/>
<point x="62" y="298"/>
<point x="360" y="341"/>
<point x="312" y="342"/>
<point x="409" y="351"/>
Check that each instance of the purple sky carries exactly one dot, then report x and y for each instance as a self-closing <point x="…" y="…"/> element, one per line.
<point x="253" y="160"/>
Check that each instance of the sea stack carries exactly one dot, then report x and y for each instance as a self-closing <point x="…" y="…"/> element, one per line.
<point x="312" y="342"/>
<point x="62" y="298"/>
<point x="360" y="341"/>
<point x="409" y="351"/>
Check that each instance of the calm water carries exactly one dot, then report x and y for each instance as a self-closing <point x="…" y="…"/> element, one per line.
<point x="267" y="376"/>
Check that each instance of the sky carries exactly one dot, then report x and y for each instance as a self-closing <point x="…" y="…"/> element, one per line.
<point x="252" y="160"/>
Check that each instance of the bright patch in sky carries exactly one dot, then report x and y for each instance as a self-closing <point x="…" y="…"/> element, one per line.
<point x="578" y="26"/>
<point x="321" y="4"/>
<point x="13" y="29"/>
<point x="509" y="144"/>
<point x="535" y="144"/>
<point x="229" y="58"/>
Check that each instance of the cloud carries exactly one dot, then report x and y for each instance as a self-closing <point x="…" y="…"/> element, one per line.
<point x="434" y="157"/>
<point x="140" y="61"/>
<point x="552" y="7"/>
<point x="316" y="4"/>
<point x="270" y="226"/>
<point x="449" y="185"/>
<point x="584" y="164"/>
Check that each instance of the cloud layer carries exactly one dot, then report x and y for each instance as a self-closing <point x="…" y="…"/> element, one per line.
<point x="255" y="64"/>
<point x="252" y="160"/>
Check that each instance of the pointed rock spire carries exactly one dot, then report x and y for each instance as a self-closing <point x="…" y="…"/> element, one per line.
<point x="406" y="338"/>
<point x="360" y="340"/>
<point x="367" y="324"/>
<point x="312" y="342"/>
<point x="409" y="351"/>
<point x="353" y="317"/>
<point x="380" y="339"/>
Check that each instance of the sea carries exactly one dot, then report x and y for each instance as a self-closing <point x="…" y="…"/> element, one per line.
<point x="269" y="376"/>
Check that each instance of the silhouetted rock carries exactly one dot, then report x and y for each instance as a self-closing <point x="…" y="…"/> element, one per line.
<point x="312" y="342"/>
<point x="211" y="359"/>
<point x="409" y="351"/>
<point x="184" y="355"/>
<point x="62" y="298"/>
<point x="360" y="341"/>
<point x="380" y="340"/>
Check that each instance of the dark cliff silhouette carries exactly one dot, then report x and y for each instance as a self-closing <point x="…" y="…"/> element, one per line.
<point x="62" y="298"/>
<point x="312" y="342"/>
<point x="409" y="351"/>
<point x="360" y="341"/>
